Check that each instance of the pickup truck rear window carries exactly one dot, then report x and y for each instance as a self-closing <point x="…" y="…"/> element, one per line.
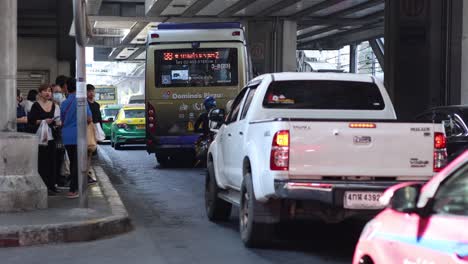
<point x="335" y="95"/>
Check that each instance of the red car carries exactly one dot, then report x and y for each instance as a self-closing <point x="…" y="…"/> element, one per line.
<point x="423" y="223"/>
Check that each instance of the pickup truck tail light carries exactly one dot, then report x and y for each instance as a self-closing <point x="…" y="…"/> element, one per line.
<point x="440" y="151"/>
<point x="279" y="158"/>
<point x="151" y="115"/>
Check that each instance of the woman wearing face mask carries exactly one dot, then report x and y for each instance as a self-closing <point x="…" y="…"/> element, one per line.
<point x="57" y="94"/>
<point x="45" y="109"/>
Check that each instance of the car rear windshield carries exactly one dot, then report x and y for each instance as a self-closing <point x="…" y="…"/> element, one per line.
<point x="320" y="94"/>
<point x="196" y="67"/>
<point x="135" y="113"/>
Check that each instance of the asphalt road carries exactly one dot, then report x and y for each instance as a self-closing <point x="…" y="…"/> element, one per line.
<point x="166" y="206"/>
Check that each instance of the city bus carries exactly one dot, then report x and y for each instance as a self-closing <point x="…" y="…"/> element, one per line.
<point x="106" y="95"/>
<point x="185" y="63"/>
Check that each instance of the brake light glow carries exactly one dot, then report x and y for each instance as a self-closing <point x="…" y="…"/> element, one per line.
<point x="362" y="125"/>
<point x="440" y="151"/>
<point x="282" y="139"/>
<point x="440" y="141"/>
<point x="304" y="185"/>
<point x="279" y="158"/>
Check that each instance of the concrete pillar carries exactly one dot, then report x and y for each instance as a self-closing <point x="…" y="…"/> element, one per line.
<point x="422" y="54"/>
<point x="8" y="64"/>
<point x="353" y="58"/>
<point x="21" y="188"/>
<point x="464" y="81"/>
<point x="272" y="45"/>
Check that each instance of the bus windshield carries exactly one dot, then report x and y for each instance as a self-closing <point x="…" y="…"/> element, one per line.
<point x="196" y="67"/>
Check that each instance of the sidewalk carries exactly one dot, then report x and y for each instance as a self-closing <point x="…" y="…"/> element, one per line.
<point x="64" y="221"/>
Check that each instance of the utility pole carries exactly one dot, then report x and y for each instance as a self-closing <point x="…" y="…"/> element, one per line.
<point x="79" y="7"/>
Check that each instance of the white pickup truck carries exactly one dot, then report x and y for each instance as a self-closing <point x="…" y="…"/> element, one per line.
<point x="305" y="145"/>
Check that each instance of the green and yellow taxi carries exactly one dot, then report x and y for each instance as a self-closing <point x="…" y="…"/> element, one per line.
<point x="109" y="113"/>
<point x="129" y="126"/>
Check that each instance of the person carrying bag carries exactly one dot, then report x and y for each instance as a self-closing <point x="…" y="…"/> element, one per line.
<point x="42" y="118"/>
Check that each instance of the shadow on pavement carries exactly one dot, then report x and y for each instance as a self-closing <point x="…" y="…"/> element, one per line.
<point x="330" y="241"/>
<point x="132" y="147"/>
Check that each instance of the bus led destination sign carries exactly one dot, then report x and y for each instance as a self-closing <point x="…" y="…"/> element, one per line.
<point x="170" y="56"/>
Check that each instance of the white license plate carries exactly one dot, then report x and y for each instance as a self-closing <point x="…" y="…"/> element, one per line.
<point x="362" y="200"/>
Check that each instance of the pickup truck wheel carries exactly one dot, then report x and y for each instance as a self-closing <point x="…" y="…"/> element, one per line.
<point x="216" y="208"/>
<point x="253" y="234"/>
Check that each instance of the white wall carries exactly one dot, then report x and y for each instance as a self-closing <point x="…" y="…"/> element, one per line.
<point x="464" y="81"/>
<point x="41" y="54"/>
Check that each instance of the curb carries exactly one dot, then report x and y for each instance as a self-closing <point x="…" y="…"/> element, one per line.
<point x="80" y="231"/>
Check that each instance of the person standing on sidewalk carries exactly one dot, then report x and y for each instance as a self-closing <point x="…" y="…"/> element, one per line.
<point x="21" y="117"/>
<point x="62" y="180"/>
<point x="97" y="120"/>
<point x="46" y="110"/>
<point x="70" y="134"/>
<point x="61" y="81"/>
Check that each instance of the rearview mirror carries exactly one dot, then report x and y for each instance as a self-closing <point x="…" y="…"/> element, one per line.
<point x="229" y="106"/>
<point x="402" y="197"/>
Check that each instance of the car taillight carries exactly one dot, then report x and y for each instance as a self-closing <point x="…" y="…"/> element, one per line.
<point x="151" y="115"/>
<point x="440" y="151"/>
<point x="279" y="158"/>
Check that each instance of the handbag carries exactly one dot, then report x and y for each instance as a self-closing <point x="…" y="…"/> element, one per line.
<point x="91" y="137"/>
<point x="100" y="136"/>
<point x="65" y="168"/>
<point x="44" y="133"/>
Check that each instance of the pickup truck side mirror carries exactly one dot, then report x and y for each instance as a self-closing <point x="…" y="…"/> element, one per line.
<point x="229" y="106"/>
<point x="402" y="197"/>
<point x="216" y="117"/>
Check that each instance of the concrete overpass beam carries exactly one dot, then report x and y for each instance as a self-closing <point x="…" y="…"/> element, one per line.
<point x="156" y="7"/>
<point x="272" y="45"/>
<point x="378" y="51"/>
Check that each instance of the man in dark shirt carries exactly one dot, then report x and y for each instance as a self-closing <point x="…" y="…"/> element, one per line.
<point x="97" y="120"/>
<point x="95" y="107"/>
<point x="203" y="119"/>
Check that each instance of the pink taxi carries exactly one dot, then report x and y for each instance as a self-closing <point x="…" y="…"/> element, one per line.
<point x="423" y="223"/>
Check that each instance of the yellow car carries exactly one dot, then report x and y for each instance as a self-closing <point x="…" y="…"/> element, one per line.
<point x="129" y="126"/>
